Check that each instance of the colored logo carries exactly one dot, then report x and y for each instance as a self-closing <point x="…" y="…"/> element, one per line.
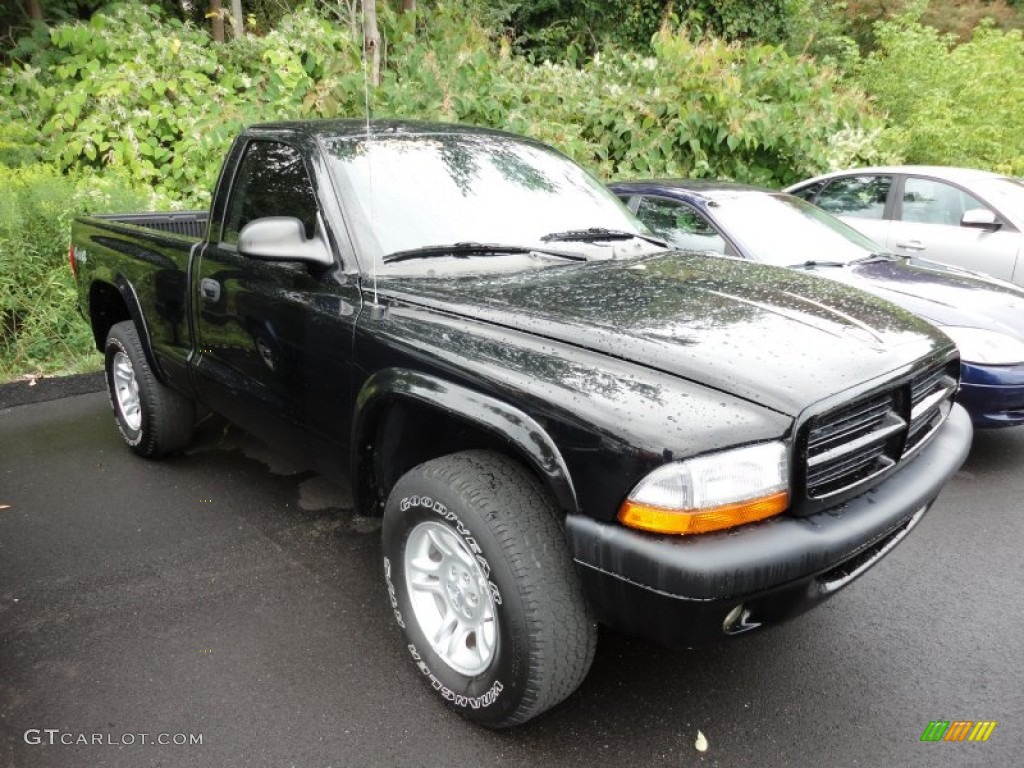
<point x="958" y="730"/>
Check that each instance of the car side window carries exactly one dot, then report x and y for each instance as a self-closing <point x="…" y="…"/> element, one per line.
<point x="932" y="202"/>
<point x="861" y="197"/>
<point x="807" y="193"/>
<point x="271" y="181"/>
<point x="680" y="224"/>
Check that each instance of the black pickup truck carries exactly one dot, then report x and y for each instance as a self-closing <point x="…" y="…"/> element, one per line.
<point x="561" y="420"/>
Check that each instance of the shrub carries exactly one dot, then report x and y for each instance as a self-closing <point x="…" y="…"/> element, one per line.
<point x="156" y="109"/>
<point x="40" y="328"/>
<point x="952" y="104"/>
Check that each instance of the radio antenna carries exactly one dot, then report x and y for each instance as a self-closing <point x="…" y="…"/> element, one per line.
<point x="369" y="155"/>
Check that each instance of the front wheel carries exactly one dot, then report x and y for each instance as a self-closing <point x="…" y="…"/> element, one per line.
<point x="153" y="419"/>
<point x="482" y="584"/>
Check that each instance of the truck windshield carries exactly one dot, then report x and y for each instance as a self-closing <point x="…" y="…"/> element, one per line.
<point x="409" y="192"/>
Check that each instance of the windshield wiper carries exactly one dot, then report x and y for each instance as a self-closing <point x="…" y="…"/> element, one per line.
<point x="811" y="264"/>
<point x="594" y="234"/>
<point x="463" y="250"/>
<point x="879" y="256"/>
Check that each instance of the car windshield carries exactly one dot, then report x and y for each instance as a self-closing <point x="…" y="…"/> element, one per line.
<point x="420" y="191"/>
<point x="1006" y="194"/>
<point x="784" y="230"/>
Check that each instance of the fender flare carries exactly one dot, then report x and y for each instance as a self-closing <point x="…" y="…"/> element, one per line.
<point x="126" y="291"/>
<point x="526" y="436"/>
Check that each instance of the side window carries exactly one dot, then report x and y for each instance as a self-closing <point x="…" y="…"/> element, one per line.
<point x="807" y="193"/>
<point x="862" y="197"/>
<point x="271" y="181"/>
<point x="932" y="202"/>
<point x="681" y="225"/>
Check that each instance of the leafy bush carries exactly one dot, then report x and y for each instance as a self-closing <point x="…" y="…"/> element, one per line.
<point x="705" y="108"/>
<point x="157" y="108"/>
<point x="951" y="104"/>
<point x="163" y="103"/>
<point x="40" y="328"/>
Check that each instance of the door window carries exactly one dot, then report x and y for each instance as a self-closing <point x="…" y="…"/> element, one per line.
<point x="271" y="181"/>
<point x="681" y="225"/>
<point x="932" y="202"/>
<point x="808" y="193"/>
<point x="862" y="197"/>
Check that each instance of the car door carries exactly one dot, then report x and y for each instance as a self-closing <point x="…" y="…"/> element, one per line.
<point x="926" y="223"/>
<point x="862" y="200"/>
<point x="274" y="338"/>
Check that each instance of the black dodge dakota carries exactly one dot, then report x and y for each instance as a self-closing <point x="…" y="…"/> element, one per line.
<point x="561" y="420"/>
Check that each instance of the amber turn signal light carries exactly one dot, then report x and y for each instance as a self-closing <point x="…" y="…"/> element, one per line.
<point x="659" y="520"/>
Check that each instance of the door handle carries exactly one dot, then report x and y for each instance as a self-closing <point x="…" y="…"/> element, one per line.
<point x="912" y="245"/>
<point x="210" y="289"/>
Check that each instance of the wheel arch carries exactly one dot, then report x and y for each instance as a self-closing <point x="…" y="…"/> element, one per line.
<point x="111" y="303"/>
<point x="413" y="417"/>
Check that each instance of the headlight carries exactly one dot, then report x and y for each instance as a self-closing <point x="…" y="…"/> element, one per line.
<point x="708" y="493"/>
<point x="981" y="346"/>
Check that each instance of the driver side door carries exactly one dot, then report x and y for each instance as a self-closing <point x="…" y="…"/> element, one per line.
<point x="273" y="336"/>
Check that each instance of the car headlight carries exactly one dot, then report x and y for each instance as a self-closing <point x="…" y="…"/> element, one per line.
<point x="980" y="346"/>
<point x="712" y="492"/>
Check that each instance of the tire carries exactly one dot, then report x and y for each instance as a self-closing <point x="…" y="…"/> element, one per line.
<point x="153" y="419"/>
<point x="481" y="582"/>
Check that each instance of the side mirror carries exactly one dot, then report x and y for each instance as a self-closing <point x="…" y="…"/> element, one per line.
<point x="283" y="238"/>
<point x="980" y="218"/>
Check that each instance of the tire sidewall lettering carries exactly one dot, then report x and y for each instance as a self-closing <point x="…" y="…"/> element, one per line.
<point x="490" y="693"/>
<point x="456" y="699"/>
<point x="392" y="596"/>
<point x="427" y="503"/>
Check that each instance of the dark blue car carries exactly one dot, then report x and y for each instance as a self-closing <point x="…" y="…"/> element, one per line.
<point x="983" y="315"/>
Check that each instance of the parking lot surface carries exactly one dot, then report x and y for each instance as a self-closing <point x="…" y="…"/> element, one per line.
<point x="227" y="595"/>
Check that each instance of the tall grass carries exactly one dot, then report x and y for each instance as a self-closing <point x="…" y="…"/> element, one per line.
<point x="41" y="330"/>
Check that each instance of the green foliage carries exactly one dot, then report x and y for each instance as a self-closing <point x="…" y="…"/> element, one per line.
<point x="157" y="108"/>
<point x="40" y="328"/>
<point x="558" y="29"/>
<point x="951" y="104"/>
<point x="711" y="109"/>
<point x="554" y="29"/>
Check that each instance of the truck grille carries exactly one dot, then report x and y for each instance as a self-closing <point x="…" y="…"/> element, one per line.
<point x="850" y="445"/>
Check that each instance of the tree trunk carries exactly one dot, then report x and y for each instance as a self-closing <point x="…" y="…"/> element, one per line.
<point x="217" y="20"/>
<point x="408" y="5"/>
<point x="371" y="40"/>
<point x="237" y="22"/>
<point x="35" y="11"/>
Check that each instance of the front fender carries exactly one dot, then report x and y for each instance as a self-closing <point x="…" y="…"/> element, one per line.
<point x="525" y="435"/>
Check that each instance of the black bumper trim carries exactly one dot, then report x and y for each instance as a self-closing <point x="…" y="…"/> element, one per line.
<point x="779" y="557"/>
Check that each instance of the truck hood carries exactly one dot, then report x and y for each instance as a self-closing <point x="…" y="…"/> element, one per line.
<point x="944" y="295"/>
<point x="772" y="336"/>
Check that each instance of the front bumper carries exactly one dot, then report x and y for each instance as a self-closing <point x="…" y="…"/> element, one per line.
<point x="993" y="394"/>
<point x="679" y="590"/>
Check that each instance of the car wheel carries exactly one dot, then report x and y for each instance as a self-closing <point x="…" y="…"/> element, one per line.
<point x="153" y="419"/>
<point x="481" y="582"/>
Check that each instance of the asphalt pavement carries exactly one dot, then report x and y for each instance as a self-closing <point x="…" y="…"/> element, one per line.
<point x="226" y="597"/>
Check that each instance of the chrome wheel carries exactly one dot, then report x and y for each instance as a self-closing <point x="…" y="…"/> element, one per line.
<point x="450" y="598"/>
<point x="126" y="390"/>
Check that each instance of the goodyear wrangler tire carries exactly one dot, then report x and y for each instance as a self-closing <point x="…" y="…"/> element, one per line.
<point x="482" y="584"/>
<point x="153" y="419"/>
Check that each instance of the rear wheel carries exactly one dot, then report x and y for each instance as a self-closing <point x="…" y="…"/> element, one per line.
<point x="153" y="419"/>
<point x="482" y="584"/>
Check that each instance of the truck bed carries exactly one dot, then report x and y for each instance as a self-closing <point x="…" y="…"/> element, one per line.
<point x="188" y="223"/>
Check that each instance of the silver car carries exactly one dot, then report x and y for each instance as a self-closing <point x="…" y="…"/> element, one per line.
<point x="968" y="218"/>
